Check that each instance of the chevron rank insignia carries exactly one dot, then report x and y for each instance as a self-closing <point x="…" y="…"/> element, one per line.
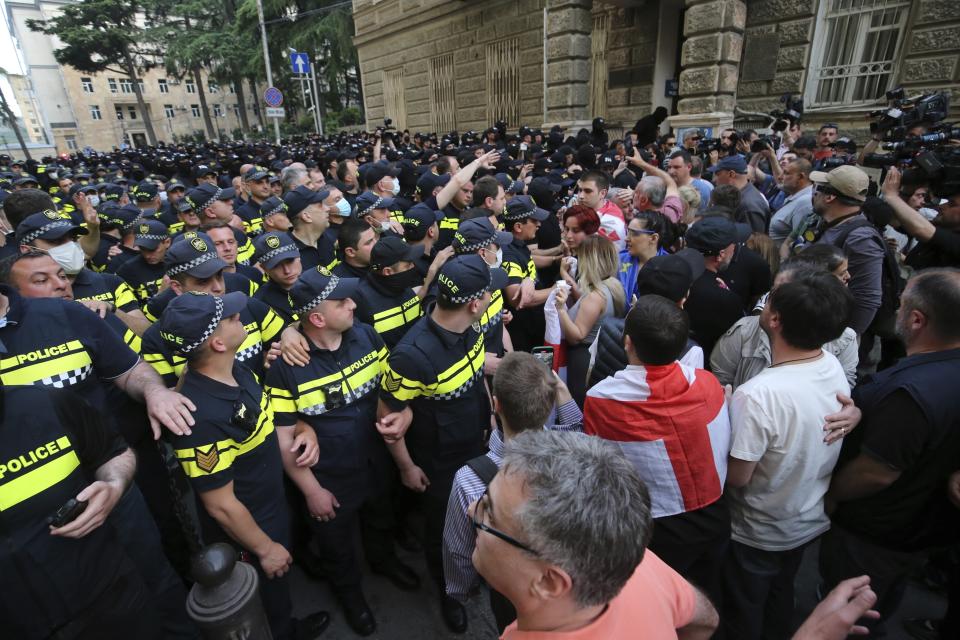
<point x="208" y="461"/>
<point x="391" y="383"/>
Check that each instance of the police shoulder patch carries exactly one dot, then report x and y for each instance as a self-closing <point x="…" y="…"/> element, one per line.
<point x="207" y="461"/>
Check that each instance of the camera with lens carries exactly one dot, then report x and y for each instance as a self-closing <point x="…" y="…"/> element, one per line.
<point x="904" y="113"/>
<point x="761" y="143"/>
<point x="790" y="114"/>
<point x="706" y="145"/>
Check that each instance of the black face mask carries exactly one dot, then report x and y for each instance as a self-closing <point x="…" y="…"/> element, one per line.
<point x="397" y="282"/>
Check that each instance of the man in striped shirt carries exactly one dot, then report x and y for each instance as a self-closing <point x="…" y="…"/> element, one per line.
<point x="525" y="394"/>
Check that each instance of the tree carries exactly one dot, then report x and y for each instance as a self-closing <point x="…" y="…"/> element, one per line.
<point x="103" y="35"/>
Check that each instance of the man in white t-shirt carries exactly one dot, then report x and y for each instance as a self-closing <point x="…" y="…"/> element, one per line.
<point x="779" y="467"/>
<point x="593" y="188"/>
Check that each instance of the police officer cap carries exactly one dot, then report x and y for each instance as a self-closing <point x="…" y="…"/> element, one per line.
<point x="191" y="318"/>
<point x="520" y="208"/>
<point x="112" y="214"/>
<point x="150" y="233"/>
<point x="173" y="184"/>
<point x="272" y="248"/>
<point x="430" y="181"/>
<point x="316" y="285"/>
<point x="112" y="191"/>
<point x="302" y="197"/>
<point x="194" y="254"/>
<point x="478" y="233"/>
<point x="82" y="188"/>
<point x="26" y="179"/>
<point x="255" y="173"/>
<point x="417" y="220"/>
<point x="390" y="250"/>
<point x="183" y="205"/>
<point x="713" y="233"/>
<point x="46" y="225"/>
<point x="509" y="185"/>
<point x="272" y="206"/>
<point x="466" y="278"/>
<point x="206" y="194"/>
<point x="378" y="171"/>
<point x="368" y="201"/>
<point x="203" y="170"/>
<point x="144" y="191"/>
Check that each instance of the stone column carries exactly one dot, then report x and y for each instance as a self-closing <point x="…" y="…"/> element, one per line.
<point x="710" y="62"/>
<point x="567" y="100"/>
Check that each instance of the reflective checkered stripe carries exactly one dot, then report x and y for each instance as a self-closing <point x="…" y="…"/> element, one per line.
<point x="196" y="262"/>
<point x="399" y="316"/>
<point x="451" y="383"/>
<point x="249" y="349"/>
<point x="59" y="366"/>
<point x="494" y="313"/>
<point x="355" y="381"/>
<point x="253" y="227"/>
<point x="245" y="252"/>
<point x="206" y="460"/>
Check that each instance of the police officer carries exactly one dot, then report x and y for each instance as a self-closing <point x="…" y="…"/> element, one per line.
<point x="385" y="299"/>
<point x="256" y="181"/>
<point x="69" y="576"/>
<point x="273" y="215"/>
<point x="336" y="394"/>
<point x="213" y="203"/>
<point x="421" y="226"/>
<point x="186" y="217"/>
<point x="231" y="456"/>
<point x="193" y="266"/>
<point x="279" y="258"/>
<point x="144" y="273"/>
<point x="433" y="408"/>
<point x="117" y="231"/>
<point x="311" y="220"/>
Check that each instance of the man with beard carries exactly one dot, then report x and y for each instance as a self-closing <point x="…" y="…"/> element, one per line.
<point x="712" y="307"/>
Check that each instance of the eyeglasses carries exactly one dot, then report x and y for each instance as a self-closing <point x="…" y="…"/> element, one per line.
<point x="479" y="525"/>
<point x="641" y="232"/>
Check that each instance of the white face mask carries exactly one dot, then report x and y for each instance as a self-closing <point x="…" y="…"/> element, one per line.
<point x="385" y="226"/>
<point x="69" y="256"/>
<point x="499" y="260"/>
<point x="163" y="196"/>
<point x="93" y="200"/>
<point x="396" y="187"/>
<point x="343" y="207"/>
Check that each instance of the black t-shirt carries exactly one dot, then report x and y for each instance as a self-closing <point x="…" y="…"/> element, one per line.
<point x="748" y="276"/>
<point x="913" y="512"/>
<point x="390" y="314"/>
<point x="144" y="278"/>
<point x="344" y="270"/>
<point x="323" y="254"/>
<point x="277" y="298"/>
<point x="713" y="309"/>
<point x="943" y="250"/>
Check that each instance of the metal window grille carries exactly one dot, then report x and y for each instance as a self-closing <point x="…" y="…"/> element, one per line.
<point x="598" y="64"/>
<point x="394" y="105"/>
<point x="443" y="106"/>
<point x="503" y="81"/>
<point x="857" y="48"/>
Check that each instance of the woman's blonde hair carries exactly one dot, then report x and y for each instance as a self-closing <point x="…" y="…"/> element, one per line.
<point x="598" y="265"/>
<point x="690" y="198"/>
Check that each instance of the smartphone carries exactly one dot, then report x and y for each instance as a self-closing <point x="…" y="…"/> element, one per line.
<point x="544" y="355"/>
<point x="66" y="514"/>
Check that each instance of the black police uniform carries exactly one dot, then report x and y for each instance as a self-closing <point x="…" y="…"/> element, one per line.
<point x="390" y="313"/>
<point x="224" y="447"/>
<point x="249" y="212"/>
<point x="54" y="584"/>
<point x="344" y="270"/>
<point x="263" y="327"/>
<point x="526" y="329"/>
<point x="336" y="394"/>
<point x="144" y="278"/>
<point x="107" y="287"/>
<point x="277" y="298"/>
<point x="103" y="261"/>
<point x="252" y="274"/>
<point x="438" y="374"/>
<point x="322" y="255"/>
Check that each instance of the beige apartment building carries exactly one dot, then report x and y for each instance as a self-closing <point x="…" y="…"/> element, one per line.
<point x="100" y="111"/>
<point x="32" y="126"/>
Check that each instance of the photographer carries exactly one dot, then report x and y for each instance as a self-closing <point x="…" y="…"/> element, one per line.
<point x="939" y="240"/>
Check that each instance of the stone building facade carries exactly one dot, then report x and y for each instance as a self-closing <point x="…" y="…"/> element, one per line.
<point x="78" y="109"/>
<point x="437" y="65"/>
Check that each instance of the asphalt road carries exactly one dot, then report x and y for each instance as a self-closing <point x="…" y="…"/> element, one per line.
<point x="405" y="616"/>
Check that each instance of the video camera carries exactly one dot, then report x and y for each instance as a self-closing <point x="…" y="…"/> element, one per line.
<point x="789" y="115"/>
<point x="930" y="153"/>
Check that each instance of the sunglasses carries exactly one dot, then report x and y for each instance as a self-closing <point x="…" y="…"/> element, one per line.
<point x="641" y="232"/>
<point x="481" y="504"/>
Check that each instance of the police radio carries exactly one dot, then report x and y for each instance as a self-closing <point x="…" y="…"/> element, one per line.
<point x="334" y="396"/>
<point x="66" y="514"/>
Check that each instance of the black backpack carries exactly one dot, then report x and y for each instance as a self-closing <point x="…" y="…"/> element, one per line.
<point x="891" y="282"/>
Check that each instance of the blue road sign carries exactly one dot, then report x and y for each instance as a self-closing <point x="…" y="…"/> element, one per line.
<point x="300" y="62"/>
<point x="273" y="97"/>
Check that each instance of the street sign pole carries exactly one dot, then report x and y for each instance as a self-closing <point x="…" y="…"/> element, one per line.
<point x="266" y="61"/>
<point x="316" y="98"/>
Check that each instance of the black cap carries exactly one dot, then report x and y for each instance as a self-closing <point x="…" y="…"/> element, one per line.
<point x="110" y="213"/>
<point x="466" y="278"/>
<point x="206" y="194"/>
<point x="368" y="201"/>
<point x="316" y="285"/>
<point x="150" y="233"/>
<point x="189" y="319"/>
<point x="302" y="197"/>
<point x="478" y="233"/>
<point x="25" y="179"/>
<point x="46" y="225"/>
<point x="390" y="250"/>
<point x="378" y="171"/>
<point x="711" y="234"/>
<point x="255" y="173"/>
<point x="430" y="181"/>
<point x="272" y="248"/>
<point x="510" y="186"/>
<point x="82" y="188"/>
<point x="417" y="220"/>
<point x="194" y="254"/>
<point x="202" y="170"/>
<point x="272" y="206"/>
<point x="112" y="191"/>
<point x="172" y="184"/>
<point x="144" y="191"/>
<point x="523" y="207"/>
<point x="668" y="276"/>
<point x="183" y="205"/>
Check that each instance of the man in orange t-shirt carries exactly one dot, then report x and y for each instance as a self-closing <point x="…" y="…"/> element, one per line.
<point x="561" y="533"/>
